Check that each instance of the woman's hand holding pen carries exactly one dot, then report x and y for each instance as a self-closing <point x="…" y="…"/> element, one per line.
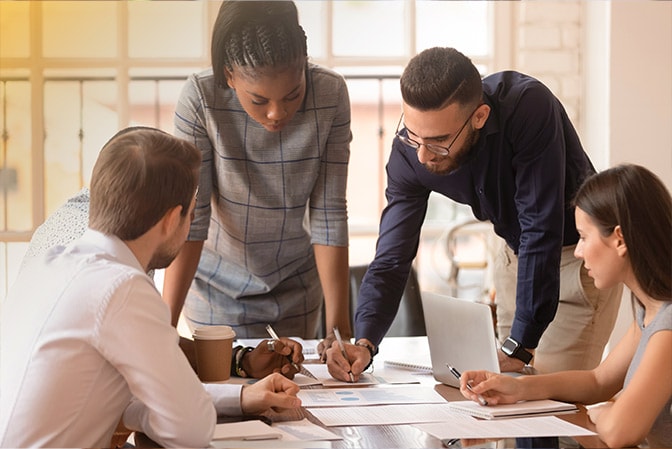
<point x="276" y="358"/>
<point x="495" y="388"/>
<point x="340" y="368"/>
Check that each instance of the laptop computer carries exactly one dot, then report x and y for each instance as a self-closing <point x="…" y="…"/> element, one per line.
<point x="461" y="333"/>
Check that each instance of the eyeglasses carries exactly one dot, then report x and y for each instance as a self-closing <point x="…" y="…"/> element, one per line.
<point x="439" y="150"/>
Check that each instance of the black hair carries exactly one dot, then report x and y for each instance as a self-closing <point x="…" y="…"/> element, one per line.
<point x="438" y="77"/>
<point x="256" y="34"/>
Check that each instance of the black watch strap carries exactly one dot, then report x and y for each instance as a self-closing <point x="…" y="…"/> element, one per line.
<point x="514" y="349"/>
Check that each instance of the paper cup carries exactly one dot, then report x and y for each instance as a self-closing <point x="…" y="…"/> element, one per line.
<point x="213" y="352"/>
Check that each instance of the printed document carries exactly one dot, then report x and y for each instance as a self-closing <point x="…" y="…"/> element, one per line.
<point x="538" y="426"/>
<point x="380" y="395"/>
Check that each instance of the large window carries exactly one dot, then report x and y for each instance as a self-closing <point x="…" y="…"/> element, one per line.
<point x="72" y="73"/>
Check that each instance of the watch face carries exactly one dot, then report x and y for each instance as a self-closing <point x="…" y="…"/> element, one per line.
<point x="509" y="346"/>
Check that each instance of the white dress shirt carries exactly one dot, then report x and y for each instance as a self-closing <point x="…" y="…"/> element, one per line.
<point x="86" y="337"/>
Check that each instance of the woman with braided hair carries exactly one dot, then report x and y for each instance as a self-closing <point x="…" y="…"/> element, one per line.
<point x="270" y="238"/>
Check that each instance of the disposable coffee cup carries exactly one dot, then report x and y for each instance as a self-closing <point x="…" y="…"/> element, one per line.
<point x="213" y="352"/>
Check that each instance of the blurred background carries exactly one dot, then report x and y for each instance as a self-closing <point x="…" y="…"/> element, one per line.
<point x="74" y="72"/>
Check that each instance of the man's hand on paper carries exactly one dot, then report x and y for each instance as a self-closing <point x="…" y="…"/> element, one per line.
<point x="269" y="358"/>
<point x="495" y="388"/>
<point x="272" y="392"/>
<point x="340" y="368"/>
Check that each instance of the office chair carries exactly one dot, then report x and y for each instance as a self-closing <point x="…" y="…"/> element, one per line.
<point x="410" y="320"/>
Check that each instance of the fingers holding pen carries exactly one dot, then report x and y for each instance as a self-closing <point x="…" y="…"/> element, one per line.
<point x="337" y="363"/>
<point x="354" y="361"/>
<point x="495" y="388"/>
<point x="289" y="348"/>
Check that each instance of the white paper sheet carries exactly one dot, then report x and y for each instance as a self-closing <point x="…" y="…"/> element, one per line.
<point x="386" y="414"/>
<point x="292" y="434"/>
<point x="306" y="431"/>
<point x="321" y="371"/>
<point x="540" y="426"/>
<point x="380" y="395"/>
<point x="245" y="430"/>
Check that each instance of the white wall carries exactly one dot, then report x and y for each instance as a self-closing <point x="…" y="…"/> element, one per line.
<point x="641" y="85"/>
<point x="628" y="92"/>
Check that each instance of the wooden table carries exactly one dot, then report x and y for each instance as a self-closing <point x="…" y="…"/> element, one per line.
<point x="407" y="436"/>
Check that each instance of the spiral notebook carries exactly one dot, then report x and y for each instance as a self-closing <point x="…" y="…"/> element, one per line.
<point x="411" y="366"/>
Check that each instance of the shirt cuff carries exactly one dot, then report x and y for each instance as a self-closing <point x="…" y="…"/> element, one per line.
<point x="527" y="334"/>
<point x="226" y="398"/>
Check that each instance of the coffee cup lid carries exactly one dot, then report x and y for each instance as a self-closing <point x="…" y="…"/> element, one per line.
<point x="213" y="332"/>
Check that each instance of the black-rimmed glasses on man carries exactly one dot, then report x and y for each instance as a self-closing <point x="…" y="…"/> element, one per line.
<point x="439" y="150"/>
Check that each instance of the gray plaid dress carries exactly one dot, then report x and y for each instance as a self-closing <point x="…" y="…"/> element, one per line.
<point x="264" y="200"/>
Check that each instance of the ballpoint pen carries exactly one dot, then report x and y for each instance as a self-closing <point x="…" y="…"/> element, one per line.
<point x="345" y="356"/>
<point x="457" y="374"/>
<point x="299" y="368"/>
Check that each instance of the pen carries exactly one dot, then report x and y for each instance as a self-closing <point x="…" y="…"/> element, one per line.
<point x="457" y="374"/>
<point x="300" y="369"/>
<point x="340" y="345"/>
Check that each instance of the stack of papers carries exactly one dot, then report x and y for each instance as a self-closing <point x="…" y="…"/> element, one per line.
<point x="524" y="408"/>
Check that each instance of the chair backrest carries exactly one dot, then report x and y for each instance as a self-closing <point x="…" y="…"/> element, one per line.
<point x="410" y="320"/>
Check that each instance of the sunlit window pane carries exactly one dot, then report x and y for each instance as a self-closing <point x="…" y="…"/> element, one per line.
<point x="375" y="106"/>
<point x="15" y="158"/>
<point x="176" y="29"/>
<point x="152" y="103"/>
<point x="79" y="118"/>
<point x="79" y="29"/>
<point x="356" y="34"/>
<point x="14" y="29"/>
<point x="464" y="25"/>
<point x="311" y="18"/>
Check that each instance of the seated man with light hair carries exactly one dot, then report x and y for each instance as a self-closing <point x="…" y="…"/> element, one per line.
<point x="91" y="338"/>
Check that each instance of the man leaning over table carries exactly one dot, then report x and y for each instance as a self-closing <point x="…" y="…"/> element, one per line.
<point x="91" y="338"/>
<point x="505" y="146"/>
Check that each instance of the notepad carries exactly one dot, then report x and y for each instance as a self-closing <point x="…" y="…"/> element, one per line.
<point x="246" y="430"/>
<point x="524" y="408"/>
<point x="408" y="365"/>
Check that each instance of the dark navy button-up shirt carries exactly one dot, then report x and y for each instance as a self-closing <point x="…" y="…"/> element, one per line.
<point x="522" y="175"/>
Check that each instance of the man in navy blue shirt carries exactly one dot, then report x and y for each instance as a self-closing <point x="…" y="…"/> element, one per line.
<point x="505" y="146"/>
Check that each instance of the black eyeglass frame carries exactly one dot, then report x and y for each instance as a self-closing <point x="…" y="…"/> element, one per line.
<point x="433" y="148"/>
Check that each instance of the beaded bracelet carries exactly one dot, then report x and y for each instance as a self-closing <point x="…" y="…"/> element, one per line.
<point x="234" y="356"/>
<point x="371" y="352"/>
<point x="240" y="372"/>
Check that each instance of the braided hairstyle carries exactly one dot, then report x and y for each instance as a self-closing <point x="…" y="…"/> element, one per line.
<point x="256" y="35"/>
